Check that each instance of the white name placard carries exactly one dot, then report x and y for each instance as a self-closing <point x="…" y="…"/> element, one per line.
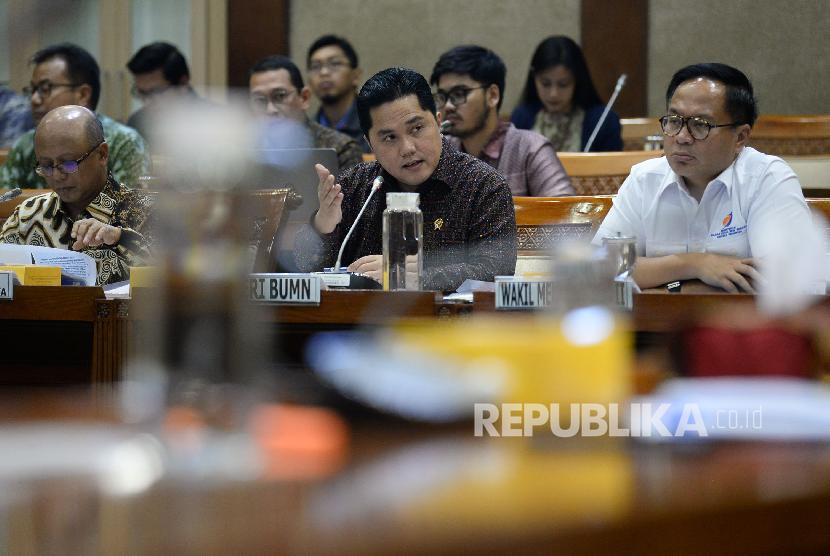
<point x="279" y="288"/>
<point x="518" y="293"/>
<point x="6" y="285"/>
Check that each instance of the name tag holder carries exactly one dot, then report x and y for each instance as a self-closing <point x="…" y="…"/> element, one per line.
<point x="516" y="293"/>
<point x="7" y="285"/>
<point x="285" y="288"/>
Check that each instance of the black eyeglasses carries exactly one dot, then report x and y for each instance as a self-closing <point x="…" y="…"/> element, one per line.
<point x="68" y="167"/>
<point x="45" y="88"/>
<point x="457" y="96"/>
<point x="699" y="128"/>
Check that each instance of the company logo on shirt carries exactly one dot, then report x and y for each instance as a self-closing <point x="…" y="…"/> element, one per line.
<point x="727" y="220"/>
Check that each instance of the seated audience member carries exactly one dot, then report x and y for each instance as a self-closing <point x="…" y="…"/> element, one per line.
<point x="87" y="210"/>
<point x="276" y="89"/>
<point x="701" y="210"/>
<point x="15" y="116"/>
<point x="470" y="81"/>
<point x="67" y="74"/>
<point x="560" y="101"/>
<point x="333" y="76"/>
<point x="469" y="223"/>
<point x="160" y="75"/>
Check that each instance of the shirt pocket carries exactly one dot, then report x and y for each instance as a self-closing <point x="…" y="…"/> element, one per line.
<point x="663" y="248"/>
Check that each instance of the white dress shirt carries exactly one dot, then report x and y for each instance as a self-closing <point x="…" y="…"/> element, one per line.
<point x="754" y="193"/>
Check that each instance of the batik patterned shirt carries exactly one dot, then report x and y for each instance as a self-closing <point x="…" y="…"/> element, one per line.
<point x="348" y="151"/>
<point x="44" y="220"/>
<point x="127" y="157"/>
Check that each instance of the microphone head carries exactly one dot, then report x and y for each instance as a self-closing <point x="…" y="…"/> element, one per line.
<point x="9" y="195"/>
<point x="446" y="125"/>
<point x="377" y="182"/>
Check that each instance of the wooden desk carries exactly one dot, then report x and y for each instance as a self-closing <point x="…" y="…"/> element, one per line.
<point x="408" y="489"/>
<point x="59" y="336"/>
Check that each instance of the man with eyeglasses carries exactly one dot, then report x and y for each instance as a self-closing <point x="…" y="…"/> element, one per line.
<point x="87" y="209"/>
<point x="276" y="90"/>
<point x="470" y="83"/>
<point x="66" y="74"/>
<point x="706" y="209"/>
<point x="333" y="76"/>
<point x="160" y="74"/>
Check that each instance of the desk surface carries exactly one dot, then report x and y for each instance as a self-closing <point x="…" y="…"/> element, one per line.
<point x="409" y="490"/>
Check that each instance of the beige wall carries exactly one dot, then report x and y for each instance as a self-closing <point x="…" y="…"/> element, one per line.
<point x="415" y="33"/>
<point x="782" y="45"/>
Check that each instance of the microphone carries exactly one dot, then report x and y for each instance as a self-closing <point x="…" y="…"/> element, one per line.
<point x="445" y="126"/>
<point x="617" y="89"/>
<point x="9" y="195"/>
<point x="378" y="181"/>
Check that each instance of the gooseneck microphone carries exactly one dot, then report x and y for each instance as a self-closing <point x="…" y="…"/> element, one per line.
<point x="9" y="195"/>
<point x="445" y="126"/>
<point x="617" y="89"/>
<point x="378" y="181"/>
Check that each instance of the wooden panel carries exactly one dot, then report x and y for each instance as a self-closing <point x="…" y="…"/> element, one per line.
<point x="615" y="41"/>
<point x="635" y="131"/>
<point x="602" y="173"/>
<point x="256" y="28"/>
<point x="543" y="221"/>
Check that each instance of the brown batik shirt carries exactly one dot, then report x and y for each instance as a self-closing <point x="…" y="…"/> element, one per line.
<point x="43" y="220"/>
<point x="348" y="151"/>
<point x="469" y="222"/>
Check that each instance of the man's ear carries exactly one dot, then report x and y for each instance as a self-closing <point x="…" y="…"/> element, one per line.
<point x="305" y="98"/>
<point x="84" y="95"/>
<point x="356" y="74"/>
<point x="493" y="95"/>
<point x="743" y="134"/>
<point x="104" y="152"/>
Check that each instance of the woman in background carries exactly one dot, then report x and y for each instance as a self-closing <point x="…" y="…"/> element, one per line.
<point x="560" y="101"/>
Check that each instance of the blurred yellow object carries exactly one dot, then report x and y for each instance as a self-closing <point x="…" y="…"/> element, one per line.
<point x="35" y="275"/>
<point x="144" y="276"/>
<point x="579" y="358"/>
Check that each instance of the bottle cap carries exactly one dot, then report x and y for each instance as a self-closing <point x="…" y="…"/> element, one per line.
<point x="402" y="201"/>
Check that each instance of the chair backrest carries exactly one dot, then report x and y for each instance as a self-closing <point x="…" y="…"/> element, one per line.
<point x="821" y="206"/>
<point x="792" y="135"/>
<point x="544" y="221"/>
<point x="271" y="207"/>
<point x="602" y="173"/>
<point x="636" y="130"/>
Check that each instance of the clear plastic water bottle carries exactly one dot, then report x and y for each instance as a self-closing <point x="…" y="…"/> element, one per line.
<point x="403" y="232"/>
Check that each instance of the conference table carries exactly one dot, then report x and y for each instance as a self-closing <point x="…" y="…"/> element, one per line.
<point x="74" y="335"/>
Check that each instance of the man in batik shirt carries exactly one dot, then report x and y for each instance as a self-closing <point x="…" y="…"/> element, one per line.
<point x="87" y="210"/>
<point x="67" y="74"/>
<point x="15" y="116"/>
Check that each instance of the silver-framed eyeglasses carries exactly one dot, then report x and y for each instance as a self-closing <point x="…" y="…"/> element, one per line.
<point x="45" y="88"/>
<point x="274" y="96"/>
<point x="332" y="65"/>
<point x="66" y="167"/>
<point x="699" y="128"/>
<point x="457" y="95"/>
<point x="144" y="94"/>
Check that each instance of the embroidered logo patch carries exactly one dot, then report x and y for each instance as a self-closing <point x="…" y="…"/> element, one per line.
<point x="727" y="220"/>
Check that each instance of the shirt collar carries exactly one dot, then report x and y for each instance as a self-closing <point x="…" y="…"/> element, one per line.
<point x="492" y="149"/>
<point x="102" y="206"/>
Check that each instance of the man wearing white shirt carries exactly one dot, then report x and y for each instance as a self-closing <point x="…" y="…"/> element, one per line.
<point x="698" y="212"/>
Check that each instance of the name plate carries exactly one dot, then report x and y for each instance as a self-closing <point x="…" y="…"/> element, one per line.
<point x="518" y="293"/>
<point x="6" y="285"/>
<point x="285" y="288"/>
<point x="335" y="279"/>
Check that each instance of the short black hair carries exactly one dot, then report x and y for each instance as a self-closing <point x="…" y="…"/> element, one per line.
<point x="481" y="64"/>
<point x="81" y="67"/>
<point x="561" y="51"/>
<point x="278" y="62"/>
<point x="740" y="97"/>
<point x="388" y="86"/>
<point x="333" y="40"/>
<point x="163" y="56"/>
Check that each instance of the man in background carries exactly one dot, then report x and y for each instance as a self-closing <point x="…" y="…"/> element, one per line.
<point x="277" y="90"/>
<point x="470" y="82"/>
<point x="160" y="75"/>
<point x="15" y="116"/>
<point x="66" y="74"/>
<point x="333" y="75"/>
